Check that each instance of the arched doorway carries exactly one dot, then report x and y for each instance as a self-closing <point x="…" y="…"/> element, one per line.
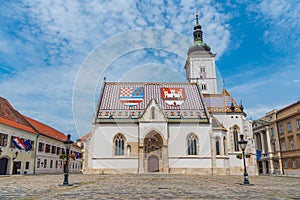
<point x="153" y="164"/>
<point x="3" y="166"/>
<point x="153" y="152"/>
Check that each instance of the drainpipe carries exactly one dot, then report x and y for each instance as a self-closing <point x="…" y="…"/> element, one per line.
<point x="36" y="142"/>
<point x="138" y="169"/>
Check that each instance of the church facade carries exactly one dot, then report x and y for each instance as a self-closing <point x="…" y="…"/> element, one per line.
<point x="184" y="127"/>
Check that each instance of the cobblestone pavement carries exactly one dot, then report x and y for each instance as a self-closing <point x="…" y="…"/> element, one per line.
<point x="148" y="186"/>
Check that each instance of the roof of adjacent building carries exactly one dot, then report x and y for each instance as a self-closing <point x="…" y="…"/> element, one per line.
<point x="46" y="130"/>
<point x="221" y="103"/>
<point x="83" y="138"/>
<point x="289" y="106"/>
<point x="187" y="97"/>
<point x="11" y="117"/>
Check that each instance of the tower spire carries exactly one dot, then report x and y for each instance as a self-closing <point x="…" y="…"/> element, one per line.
<point x="197" y="15"/>
<point x="197" y="30"/>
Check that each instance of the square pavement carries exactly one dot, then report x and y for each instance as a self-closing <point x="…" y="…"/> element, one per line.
<point x="148" y="186"/>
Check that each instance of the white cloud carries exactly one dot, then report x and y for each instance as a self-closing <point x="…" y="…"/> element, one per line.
<point x="45" y="41"/>
<point x="269" y="91"/>
<point x="281" y="19"/>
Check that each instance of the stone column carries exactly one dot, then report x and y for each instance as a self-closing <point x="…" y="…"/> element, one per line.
<point x="141" y="158"/>
<point x="165" y="159"/>
<point x="271" y="165"/>
<point x="262" y="142"/>
<point x="255" y="141"/>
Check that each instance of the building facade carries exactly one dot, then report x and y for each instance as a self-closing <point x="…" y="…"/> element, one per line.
<point x="49" y="149"/>
<point x="13" y="125"/>
<point x="81" y="142"/>
<point x="267" y="144"/>
<point x="46" y="142"/>
<point x="288" y="121"/>
<point x="184" y="127"/>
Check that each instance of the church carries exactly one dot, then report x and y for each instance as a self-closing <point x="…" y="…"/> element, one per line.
<point x="170" y="127"/>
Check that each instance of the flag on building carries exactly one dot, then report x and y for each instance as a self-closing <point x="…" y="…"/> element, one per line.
<point x="22" y="145"/>
<point x="76" y="155"/>
<point x="28" y="145"/>
<point x="258" y="155"/>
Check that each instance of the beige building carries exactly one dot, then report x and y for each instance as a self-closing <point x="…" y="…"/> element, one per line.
<point x="267" y="144"/>
<point x="81" y="142"/>
<point x="49" y="148"/>
<point x="46" y="142"/>
<point x="288" y="120"/>
<point x="13" y="125"/>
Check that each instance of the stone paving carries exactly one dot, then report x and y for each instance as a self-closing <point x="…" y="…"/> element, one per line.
<point x="148" y="186"/>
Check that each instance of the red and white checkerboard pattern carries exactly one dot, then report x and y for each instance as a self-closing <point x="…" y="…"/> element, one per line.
<point x="125" y="92"/>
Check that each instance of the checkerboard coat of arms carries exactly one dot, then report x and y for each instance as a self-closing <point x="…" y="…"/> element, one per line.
<point x="173" y="96"/>
<point x="131" y="97"/>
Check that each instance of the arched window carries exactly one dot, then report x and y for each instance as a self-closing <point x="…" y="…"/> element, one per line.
<point x="192" y="142"/>
<point x="225" y="145"/>
<point x="236" y="139"/>
<point x="153" y="113"/>
<point x="217" y="145"/>
<point x="119" y="145"/>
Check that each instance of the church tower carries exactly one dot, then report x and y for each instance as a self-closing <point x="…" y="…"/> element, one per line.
<point x="200" y="64"/>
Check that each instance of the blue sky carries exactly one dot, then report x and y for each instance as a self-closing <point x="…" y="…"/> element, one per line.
<point x="47" y="45"/>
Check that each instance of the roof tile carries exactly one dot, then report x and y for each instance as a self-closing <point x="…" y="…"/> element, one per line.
<point x="220" y="103"/>
<point x="46" y="130"/>
<point x="189" y="104"/>
<point x="10" y="117"/>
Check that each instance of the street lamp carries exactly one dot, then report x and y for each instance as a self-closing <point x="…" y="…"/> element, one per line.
<point x="16" y="155"/>
<point x="243" y="144"/>
<point x="68" y="143"/>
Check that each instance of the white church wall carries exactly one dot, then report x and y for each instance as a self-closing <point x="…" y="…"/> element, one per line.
<point x="222" y="162"/>
<point x="195" y="162"/>
<point x="178" y="139"/>
<point x="229" y="120"/>
<point x="104" y="134"/>
<point x="116" y="163"/>
<point x="161" y="128"/>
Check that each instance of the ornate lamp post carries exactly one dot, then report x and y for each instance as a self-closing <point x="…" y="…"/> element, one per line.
<point x="16" y="155"/>
<point x="243" y="144"/>
<point x="68" y="143"/>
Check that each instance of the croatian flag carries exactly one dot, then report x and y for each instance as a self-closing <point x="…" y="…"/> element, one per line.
<point x="76" y="155"/>
<point x="131" y="97"/>
<point x="22" y="145"/>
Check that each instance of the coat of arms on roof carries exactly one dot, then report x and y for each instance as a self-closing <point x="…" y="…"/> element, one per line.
<point x="173" y="96"/>
<point x="130" y="96"/>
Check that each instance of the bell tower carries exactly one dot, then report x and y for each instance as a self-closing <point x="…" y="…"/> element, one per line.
<point x="200" y="64"/>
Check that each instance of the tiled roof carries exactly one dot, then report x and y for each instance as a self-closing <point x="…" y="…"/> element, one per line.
<point x="10" y="117"/>
<point x="83" y="138"/>
<point x="221" y="102"/>
<point x="46" y="130"/>
<point x="289" y="106"/>
<point x="188" y="101"/>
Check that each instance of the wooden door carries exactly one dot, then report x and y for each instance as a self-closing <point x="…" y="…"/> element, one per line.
<point x="153" y="164"/>
<point x="3" y="166"/>
<point x="17" y="165"/>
